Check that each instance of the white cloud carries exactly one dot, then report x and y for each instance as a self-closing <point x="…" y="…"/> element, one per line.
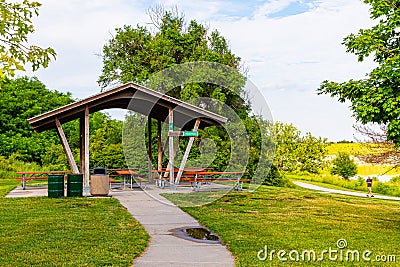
<point x="271" y="7"/>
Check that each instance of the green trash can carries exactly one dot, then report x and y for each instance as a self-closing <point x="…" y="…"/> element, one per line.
<point x="74" y="185"/>
<point x="55" y="186"/>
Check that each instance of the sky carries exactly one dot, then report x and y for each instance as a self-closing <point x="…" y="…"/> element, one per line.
<point x="288" y="47"/>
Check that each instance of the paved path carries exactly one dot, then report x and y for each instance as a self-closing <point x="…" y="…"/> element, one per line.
<point x="159" y="219"/>
<point x="29" y="192"/>
<point x="342" y="192"/>
<point x="159" y="216"/>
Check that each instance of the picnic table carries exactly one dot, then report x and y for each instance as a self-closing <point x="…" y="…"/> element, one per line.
<point x="129" y="176"/>
<point x="207" y="177"/>
<point x="28" y="176"/>
<point x="199" y="176"/>
<point x="161" y="180"/>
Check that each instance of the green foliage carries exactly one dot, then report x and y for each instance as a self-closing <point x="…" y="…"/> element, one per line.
<point x="344" y="166"/>
<point x="376" y="97"/>
<point x="68" y="232"/>
<point x="274" y="177"/>
<point x="21" y="99"/>
<point x="296" y="152"/>
<point x="15" y="26"/>
<point x="134" y="54"/>
<point x="144" y="56"/>
<point x="11" y="165"/>
<point x="395" y="180"/>
<point x="292" y="219"/>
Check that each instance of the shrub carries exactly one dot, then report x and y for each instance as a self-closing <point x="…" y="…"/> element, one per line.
<point x="344" y="166"/>
<point x="275" y="178"/>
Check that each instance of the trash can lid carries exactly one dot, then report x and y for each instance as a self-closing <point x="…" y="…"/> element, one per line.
<point x="100" y="170"/>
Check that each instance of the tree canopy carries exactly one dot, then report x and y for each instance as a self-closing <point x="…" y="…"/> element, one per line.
<point x="134" y="54"/>
<point x="138" y="54"/>
<point x="376" y="98"/>
<point x="15" y="26"/>
<point x="21" y="99"/>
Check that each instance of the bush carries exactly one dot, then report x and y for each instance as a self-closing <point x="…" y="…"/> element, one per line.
<point x="344" y="166"/>
<point x="275" y="178"/>
<point x="9" y="167"/>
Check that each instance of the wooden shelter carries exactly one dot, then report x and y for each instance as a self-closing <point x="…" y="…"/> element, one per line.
<point x="133" y="97"/>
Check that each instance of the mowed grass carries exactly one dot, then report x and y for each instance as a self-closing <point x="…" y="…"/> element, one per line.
<point x="68" y="232"/>
<point x="6" y="185"/>
<point x="293" y="219"/>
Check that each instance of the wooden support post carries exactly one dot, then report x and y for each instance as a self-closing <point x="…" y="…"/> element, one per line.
<point x="82" y="144"/>
<point x="159" y="159"/>
<point x="171" y="145"/>
<point x="186" y="155"/>
<point x="85" y="147"/>
<point x="150" y="152"/>
<point x="67" y="149"/>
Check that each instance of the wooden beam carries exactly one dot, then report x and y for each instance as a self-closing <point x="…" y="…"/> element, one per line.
<point x="67" y="149"/>
<point x="171" y="145"/>
<point x="160" y="152"/>
<point x="86" y="153"/>
<point x="150" y="152"/>
<point x="186" y="155"/>
<point x="81" y="145"/>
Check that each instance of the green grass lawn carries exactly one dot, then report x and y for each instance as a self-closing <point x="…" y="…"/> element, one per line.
<point x="67" y="232"/>
<point x="293" y="219"/>
<point x="6" y="185"/>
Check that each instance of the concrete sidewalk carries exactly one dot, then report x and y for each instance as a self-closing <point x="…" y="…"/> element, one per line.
<point x="342" y="192"/>
<point x="159" y="219"/>
<point x="29" y="192"/>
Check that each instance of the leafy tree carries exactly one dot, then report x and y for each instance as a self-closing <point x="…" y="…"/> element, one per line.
<point x="376" y="98"/>
<point x="344" y="166"/>
<point x="15" y="25"/>
<point x="294" y="152"/>
<point x="136" y="53"/>
<point x="106" y="144"/>
<point x="21" y="99"/>
<point x="311" y="153"/>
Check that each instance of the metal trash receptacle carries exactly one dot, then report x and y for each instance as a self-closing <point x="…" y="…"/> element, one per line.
<point x="99" y="185"/>
<point x="74" y="185"/>
<point x="100" y="170"/>
<point x="55" y="186"/>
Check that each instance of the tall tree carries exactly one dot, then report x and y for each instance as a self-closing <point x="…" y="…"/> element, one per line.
<point x="376" y="98"/>
<point x="15" y="26"/>
<point x="294" y="151"/>
<point x="137" y="53"/>
<point x="21" y="99"/>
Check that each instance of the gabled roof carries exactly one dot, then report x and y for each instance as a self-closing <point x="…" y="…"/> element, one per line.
<point x="133" y="97"/>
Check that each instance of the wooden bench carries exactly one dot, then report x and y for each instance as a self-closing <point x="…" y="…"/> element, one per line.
<point x="36" y="176"/>
<point x="199" y="178"/>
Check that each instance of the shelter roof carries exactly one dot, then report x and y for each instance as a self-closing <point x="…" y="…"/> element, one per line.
<point x="133" y="97"/>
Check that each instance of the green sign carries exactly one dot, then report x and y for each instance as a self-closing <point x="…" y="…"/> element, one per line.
<point x="171" y="126"/>
<point x="190" y="134"/>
